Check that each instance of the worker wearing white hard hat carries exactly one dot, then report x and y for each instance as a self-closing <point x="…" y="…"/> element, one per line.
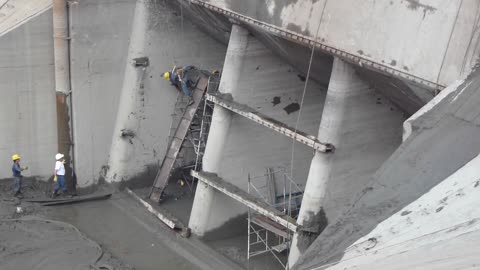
<point x="59" y="177"/>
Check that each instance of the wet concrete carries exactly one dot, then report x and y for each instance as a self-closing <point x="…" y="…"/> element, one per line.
<point x="128" y="231"/>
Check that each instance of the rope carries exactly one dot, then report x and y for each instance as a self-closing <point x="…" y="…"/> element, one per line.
<point x="307" y="78"/>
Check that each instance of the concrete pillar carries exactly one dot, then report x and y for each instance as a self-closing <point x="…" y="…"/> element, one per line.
<point x="365" y="129"/>
<point x="127" y="121"/>
<point x="221" y="119"/>
<point x="62" y="85"/>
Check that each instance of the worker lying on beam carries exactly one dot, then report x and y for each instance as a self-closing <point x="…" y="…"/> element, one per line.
<point x="179" y="77"/>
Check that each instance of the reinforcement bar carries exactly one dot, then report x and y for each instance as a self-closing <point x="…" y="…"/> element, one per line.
<point x="246" y="199"/>
<point x="298" y="38"/>
<point x="279" y="127"/>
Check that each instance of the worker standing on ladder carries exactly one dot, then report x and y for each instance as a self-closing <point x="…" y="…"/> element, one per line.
<point x="179" y="77"/>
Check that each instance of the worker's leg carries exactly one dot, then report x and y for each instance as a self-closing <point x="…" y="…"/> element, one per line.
<point x="185" y="89"/>
<point x="16" y="185"/>
<point x="61" y="181"/>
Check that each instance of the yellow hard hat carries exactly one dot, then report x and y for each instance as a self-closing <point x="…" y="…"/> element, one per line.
<point x="15" y="157"/>
<point x="166" y="75"/>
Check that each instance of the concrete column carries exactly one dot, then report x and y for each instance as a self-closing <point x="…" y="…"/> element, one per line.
<point x="127" y="122"/>
<point x="365" y="130"/>
<point x="62" y="85"/>
<point x="221" y="119"/>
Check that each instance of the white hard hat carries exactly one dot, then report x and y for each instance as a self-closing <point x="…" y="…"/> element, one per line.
<point x="59" y="156"/>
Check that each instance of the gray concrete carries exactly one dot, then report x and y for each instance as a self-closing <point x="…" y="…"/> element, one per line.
<point x="440" y="230"/>
<point x="220" y="126"/>
<point x="443" y="140"/>
<point x="14" y="13"/>
<point x="131" y="98"/>
<point x="443" y="34"/>
<point x="249" y="147"/>
<point x="27" y="114"/>
<point x="365" y="129"/>
<point x="99" y="48"/>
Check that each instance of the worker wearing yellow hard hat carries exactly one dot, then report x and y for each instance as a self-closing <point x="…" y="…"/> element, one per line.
<point x="17" y="175"/>
<point x="179" y="78"/>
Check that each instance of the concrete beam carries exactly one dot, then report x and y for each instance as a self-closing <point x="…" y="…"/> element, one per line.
<point x="277" y="126"/>
<point x="246" y="199"/>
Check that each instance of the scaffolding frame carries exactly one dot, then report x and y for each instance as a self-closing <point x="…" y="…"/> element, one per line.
<point x="259" y="230"/>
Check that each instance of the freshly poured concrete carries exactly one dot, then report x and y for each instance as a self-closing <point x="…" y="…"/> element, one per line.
<point x="28" y="122"/>
<point x="272" y="87"/>
<point x="443" y="140"/>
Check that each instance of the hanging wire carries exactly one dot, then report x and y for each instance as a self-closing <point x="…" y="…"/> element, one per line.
<point x="299" y="115"/>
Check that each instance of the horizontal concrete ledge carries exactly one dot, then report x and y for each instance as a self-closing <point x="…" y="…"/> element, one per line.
<point x="246" y="199"/>
<point x="165" y="218"/>
<point x="305" y="40"/>
<point x="247" y="112"/>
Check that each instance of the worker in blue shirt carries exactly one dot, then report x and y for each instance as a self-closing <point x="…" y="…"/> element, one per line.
<point x="17" y="175"/>
<point x="179" y="78"/>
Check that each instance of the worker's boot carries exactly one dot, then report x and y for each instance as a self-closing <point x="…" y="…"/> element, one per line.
<point x="54" y="194"/>
<point x="190" y="101"/>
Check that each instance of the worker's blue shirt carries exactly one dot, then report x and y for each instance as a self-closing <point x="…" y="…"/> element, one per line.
<point x="16" y="170"/>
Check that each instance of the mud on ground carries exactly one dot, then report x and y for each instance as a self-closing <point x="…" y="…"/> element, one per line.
<point x="30" y="241"/>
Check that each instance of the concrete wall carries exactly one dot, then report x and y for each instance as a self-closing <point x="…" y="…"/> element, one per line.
<point x="435" y="40"/>
<point x="249" y="147"/>
<point x="28" y="112"/>
<point x="438" y="231"/>
<point x="443" y="140"/>
<point x="100" y="42"/>
<point x="14" y="13"/>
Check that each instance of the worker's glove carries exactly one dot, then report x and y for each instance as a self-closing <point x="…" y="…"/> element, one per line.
<point x="25" y="168"/>
<point x="55" y="178"/>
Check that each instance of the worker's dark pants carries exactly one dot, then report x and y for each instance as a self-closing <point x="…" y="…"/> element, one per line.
<point x="186" y="89"/>
<point x="60" y="183"/>
<point x="17" y="184"/>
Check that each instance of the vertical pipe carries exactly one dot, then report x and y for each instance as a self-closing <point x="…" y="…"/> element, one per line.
<point x="122" y="148"/>
<point x="62" y="84"/>
<point x="221" y="120"/>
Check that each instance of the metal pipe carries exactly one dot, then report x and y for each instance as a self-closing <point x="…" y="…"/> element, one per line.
<point x="61" y="47"/>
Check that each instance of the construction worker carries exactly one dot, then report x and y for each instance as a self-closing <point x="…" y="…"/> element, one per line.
<point x="179" y="78"/>
<point x="59" y="177"/>
<point x="17" y="175"/>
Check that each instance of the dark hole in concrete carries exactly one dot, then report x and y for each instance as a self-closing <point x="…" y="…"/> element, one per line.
<point x="292" y="107"/>
<point x="301" y="77"/>
<point x="439" y="209"/>
<point x="276" y="100"/>
<point x="404" y="213"/>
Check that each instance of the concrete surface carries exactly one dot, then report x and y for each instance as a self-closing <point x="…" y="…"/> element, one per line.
<point x="443" y="140"/>
<point x="14" y="13"/>
<point x="365" y="130"/>
<point x="444" y="34"/>
<point x="28" y="122"/>
<point x="439" y="230"/>
<point x="127" y="230"/>
<point x="99" y="47"/>
<point x="249" y="147"/>
<point x="26" y="244"/>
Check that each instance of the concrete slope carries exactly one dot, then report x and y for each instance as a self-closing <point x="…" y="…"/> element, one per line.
<point x="440" y="230"/>
<point x="14" y="13"/>
<point x="432" y="39"/>
<point x="28" y="121"/>
<point x="443" y="140"/>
